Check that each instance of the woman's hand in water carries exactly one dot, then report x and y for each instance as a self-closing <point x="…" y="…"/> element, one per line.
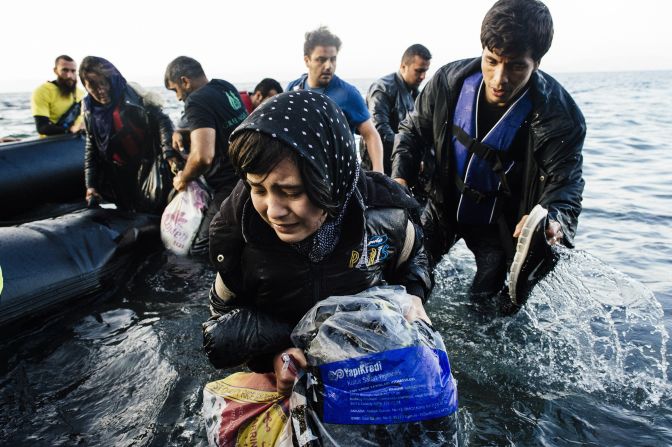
<point x="286" y="365"/>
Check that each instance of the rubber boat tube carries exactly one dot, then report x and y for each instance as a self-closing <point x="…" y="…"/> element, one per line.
<point x="40" y="170"/>
<point x="48" y="262"/>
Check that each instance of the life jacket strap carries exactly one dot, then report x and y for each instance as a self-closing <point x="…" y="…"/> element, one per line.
<point x="497" y="159"/>
<point x="503" y="228"/>
<point x="476" y="195"/>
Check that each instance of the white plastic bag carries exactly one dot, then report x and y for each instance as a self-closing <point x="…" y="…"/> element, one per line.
<point x="182" y="218"/>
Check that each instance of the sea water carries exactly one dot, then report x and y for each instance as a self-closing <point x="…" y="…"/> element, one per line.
<point x="585" y="362"/>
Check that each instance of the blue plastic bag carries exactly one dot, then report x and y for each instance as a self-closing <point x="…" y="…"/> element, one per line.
<point x="373" y="377"/>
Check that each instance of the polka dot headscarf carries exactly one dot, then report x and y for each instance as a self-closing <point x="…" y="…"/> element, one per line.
<point x="314" y="126"/>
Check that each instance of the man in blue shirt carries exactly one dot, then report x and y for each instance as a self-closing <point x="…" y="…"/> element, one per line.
<point x="319" y="53"/>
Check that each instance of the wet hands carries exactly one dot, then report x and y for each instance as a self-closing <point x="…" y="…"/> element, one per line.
<point x="178" y="141"/>
<point x="177" y="164"/>
<point x="286" y="368"/>
<point x="77" y="127"/>
<point x="416" y="311"/>
<point x="93" y="198"/>
<point x="179" y="183"/>
<point x="554" y="233"/>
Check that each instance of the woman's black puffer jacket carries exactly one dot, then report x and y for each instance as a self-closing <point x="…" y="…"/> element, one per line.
<point x="272" y="286"/>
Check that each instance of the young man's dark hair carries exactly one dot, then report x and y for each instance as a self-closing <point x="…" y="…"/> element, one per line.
<point x="542" y="202"/>
<point x="266" y="85"/>
<point x="512" y="27"/>
<point x="320" y="37"/>
<point x="415" y="50"/>
<point x="63" y="57"/>
<point x="182" y="66"/>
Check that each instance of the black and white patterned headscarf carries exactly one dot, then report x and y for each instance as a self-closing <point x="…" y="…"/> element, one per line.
<point x="314" y="126"/>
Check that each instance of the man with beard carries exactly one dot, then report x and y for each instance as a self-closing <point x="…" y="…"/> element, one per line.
<point x="56" y="105"/>
<point x="319" y="53"/>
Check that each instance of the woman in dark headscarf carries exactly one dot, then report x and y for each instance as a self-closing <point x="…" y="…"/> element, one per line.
<point x="127" y="135"/>
<point x="304" y="223"/>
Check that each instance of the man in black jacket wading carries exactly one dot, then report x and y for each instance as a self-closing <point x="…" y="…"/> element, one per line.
<point x="507" y="137"/>
<point x="391" y="97"/>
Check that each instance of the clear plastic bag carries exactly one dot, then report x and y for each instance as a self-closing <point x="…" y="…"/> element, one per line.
<point x="182" y="218"/>
<point x="373" y="377"/>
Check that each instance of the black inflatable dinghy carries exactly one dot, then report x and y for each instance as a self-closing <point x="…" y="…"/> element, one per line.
<point x="48" y="262"/>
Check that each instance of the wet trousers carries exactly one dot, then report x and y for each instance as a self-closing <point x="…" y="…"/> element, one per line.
<point x="485" y="243"/>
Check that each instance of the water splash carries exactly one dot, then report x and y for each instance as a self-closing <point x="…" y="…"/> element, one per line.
<point x="586" y="328"/>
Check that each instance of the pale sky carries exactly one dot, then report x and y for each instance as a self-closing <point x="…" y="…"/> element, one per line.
<point x="244" y="41"/>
